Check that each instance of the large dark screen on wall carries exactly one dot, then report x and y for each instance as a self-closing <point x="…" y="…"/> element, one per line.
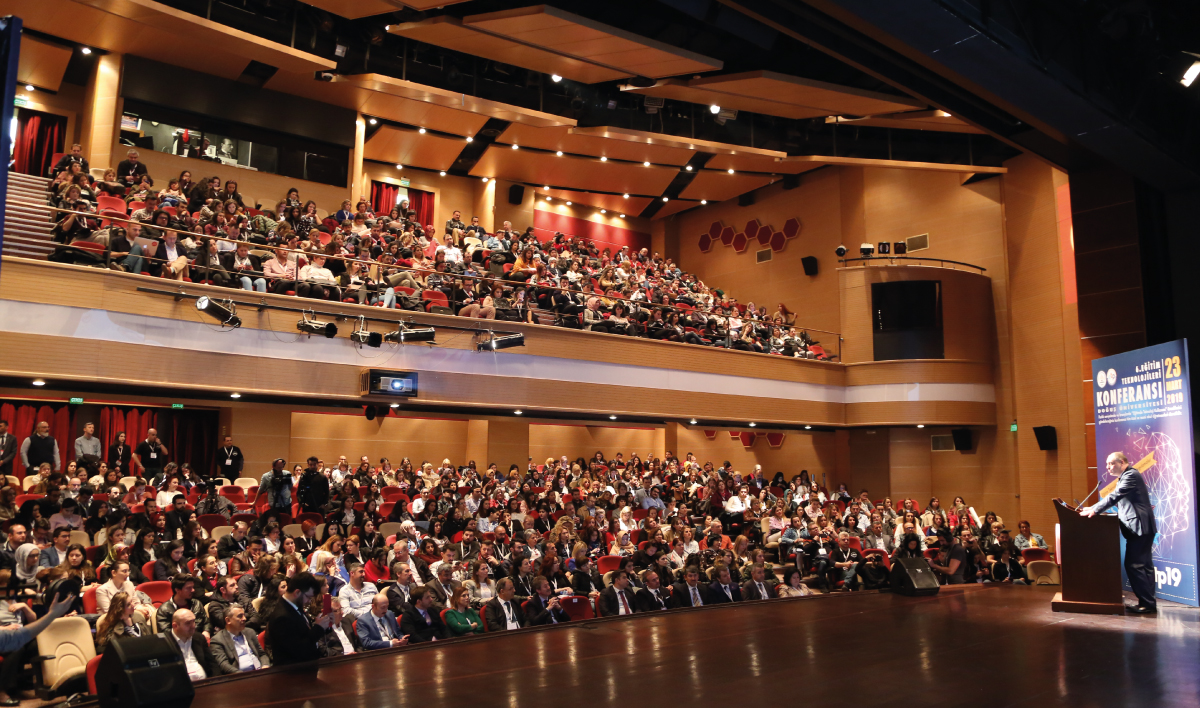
<point x="907" y="320"/>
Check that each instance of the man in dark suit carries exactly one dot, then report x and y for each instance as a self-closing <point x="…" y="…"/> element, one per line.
<point x="544" y="606"/>
<point x="340" y="639"/>
<point x="616" y="599"/>
<point x="502" y="613"/>
<point x="1136" y="515"/>
<point x="652" y="597"/>
<point x="689" y="593"/>
<point x="758" y="587"/>
<point x="197" y="658"/>
<point x="293" y="638"/>
<point x="723" y="589"/>
<point x="236" y="648"/>
<point x="378" y="628"/>
<point x="8" y="449"/>
<point x="420" y="621"/>
<point x="443" y="587"/>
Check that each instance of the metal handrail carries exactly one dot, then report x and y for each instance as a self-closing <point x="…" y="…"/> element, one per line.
<point x="943" y="261"/>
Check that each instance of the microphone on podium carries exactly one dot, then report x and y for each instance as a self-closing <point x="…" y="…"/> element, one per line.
<point x="1078" y="504"/>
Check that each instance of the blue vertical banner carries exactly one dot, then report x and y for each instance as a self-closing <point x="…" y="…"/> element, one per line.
<point x="1143" y="406"/>
<point x="10" y="54"/>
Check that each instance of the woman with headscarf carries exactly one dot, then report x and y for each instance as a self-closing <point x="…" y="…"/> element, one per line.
<point x="24" y="579"/>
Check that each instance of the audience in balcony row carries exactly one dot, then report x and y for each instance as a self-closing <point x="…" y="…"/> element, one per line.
<point x="392" y="260"/>
<point x="470" y="550"/>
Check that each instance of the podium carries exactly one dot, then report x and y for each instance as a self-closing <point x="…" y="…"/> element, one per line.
<point x="1090" y="558"/>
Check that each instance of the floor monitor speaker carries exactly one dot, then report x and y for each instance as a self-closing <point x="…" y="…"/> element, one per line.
<point x="143" y="672"/>
<point x="913" y="577"/>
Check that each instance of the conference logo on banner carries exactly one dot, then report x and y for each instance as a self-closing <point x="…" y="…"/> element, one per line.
<point x="1144" y="409"/>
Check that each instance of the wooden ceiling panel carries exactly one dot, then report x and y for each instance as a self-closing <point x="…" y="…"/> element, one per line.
<point x="572" y="172"/>
<point x="754" y="163"/>
<point x="432" y="95"/>
<point x="582" y="144"/>
<point x="614" y="203"/>
<point x="777" y="94"/>
<point x="449" y="32"/>
<point x="216" y="38"/>
<point x="42" y="63"/>
<point x="719" y="186"/>
<point x="674" y="207"/>
<point x="940" y="121"/>
<point x="572" y="35"/>
<point x="354" y="9"/>
<point x="408" y="147"/>
<point x="648" y="138"/>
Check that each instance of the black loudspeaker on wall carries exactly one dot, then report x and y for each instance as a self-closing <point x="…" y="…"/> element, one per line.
<point x="143" y="672"/>
<point x="810" y="265"/>
<point x="962" y="438"/>
<point x="516" y="194"/>
<point x="913" y="577"/>
<point x="1047" y="437"/>
<point x="746" y="199"/>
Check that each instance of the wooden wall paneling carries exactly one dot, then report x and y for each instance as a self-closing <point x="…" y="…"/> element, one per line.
<point x="869" y="450"/>
<point x="569" y="141"/>
<point x="921" y="412"/>
<point x="329" y="435"/>
<point x="508" y="443"/>
<point x="411" y="147"/>
<point x="574" y="440"/>
<point x="42" y="63"/>
<point x="919" y="371"/>
<point x="909" y="464"/>
<point x="982" y="476"/>
<point x="477" y="441"/>
<point x="263" y="433"/>
<point x="813" y="451"/>
<point x="570" y="172"/>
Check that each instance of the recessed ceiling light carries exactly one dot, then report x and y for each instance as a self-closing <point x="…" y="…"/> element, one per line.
<point x="559" y="153"/>
<point x="603" y="158"/>
<point x="514" y="147"/>
<point x="1190" y="75"/>
<point x="470" y="139"/>
<point x="692" y="421"/>
<point x="86" y="50"/>
<point x="39" y="382"/>
<point x="703" y="202"/>
<point x="235" y="394"/>
<point x="485" y="179"/>
<point x="395" y="405"/>
<point x="518" y="412"/>
<point x="753" y="424"/>
<point x="622" y="216"/>
<point x="626" y="196"/>
<point x="547" y="197"/>
<point x="443" y="174"/>
<point x="808" y="427"/>
<point x="28" y="87"/>
<point x="646" y="164"/>
<point x="688" y="168"/>
<point x="612" y="417"/>
<point x="714" y="109"/>
<point x="665" y="199"/>
<point x="387" y="28"/>
<point x="399" y="167"/>
<point x="603" y="211"/>
<point x="555" y="78"/>
<point x="568" y="203"/>
<point x="546" y="187"/>
<point x="920" y="425"/>
<point x="372" y="121"/>
<point x="421" y="131"/>
<point x="730" y="170"/>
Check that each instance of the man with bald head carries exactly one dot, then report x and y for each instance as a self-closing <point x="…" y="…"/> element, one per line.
<point x="149" y="456"/>
<point x="196" y="656"/>
<point x="378" y="628"/>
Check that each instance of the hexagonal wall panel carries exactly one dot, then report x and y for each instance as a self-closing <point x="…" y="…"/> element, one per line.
<point x="791" y="228"/>
<point x="714" y="231"/>
<point x="727" y="235"/>
<point x="740" y="242"/>
<point x="705" y="243"/>
<point x="751" y="228"/>
<point x="764" y="234"/>
<point x="778" y="241"/>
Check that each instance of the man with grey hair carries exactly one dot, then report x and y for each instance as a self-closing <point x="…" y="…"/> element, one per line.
<point x="1134" y="511"/>
<point x="356" y="595"/>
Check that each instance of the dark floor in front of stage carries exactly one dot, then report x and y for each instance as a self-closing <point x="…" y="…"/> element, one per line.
<point x="970" y="646"/>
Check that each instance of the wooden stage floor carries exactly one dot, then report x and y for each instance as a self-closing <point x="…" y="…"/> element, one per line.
<point x="976" y="646"/>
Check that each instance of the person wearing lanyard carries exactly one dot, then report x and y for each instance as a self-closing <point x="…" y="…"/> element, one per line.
<point x="501" y="613"/>
<point x="689" y="593"/>
<point x="230" y="459"/>
<point x="616" y="600"/>
<point x="546" y="608"/>
<point x="236" y="649"/>
<point x="378" y="629"/>
<point x="651" y="597"/>
<point x="150" y="455"/>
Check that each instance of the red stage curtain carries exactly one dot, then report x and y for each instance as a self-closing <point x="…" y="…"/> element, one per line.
<point x="383" y="196"/>
<point x="39" y="136"/>
<point x="23" y="417"/>
<point x="422" y="203"/>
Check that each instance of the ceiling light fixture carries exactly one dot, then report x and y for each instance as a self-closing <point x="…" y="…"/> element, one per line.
<point x="494" y="343"/>
<point x="362" y="335"/>
<point x="387" y="28"/>
<point x="603" y="211"/>
<point x="568" y="203"/>
<point x="28" y="87"/>
<point x="753" y="425"/>
<point x="309" y="325"/>
<point x="372" y="121"/>
<point x="514" y="147"/>
<point x="688" y="168"/>
<point x="395" y="405"/>
<point x="666" y="199"/>
<point x="235" y="394"/>
<point x="612" y="417"/>
<point x="714" y="109"/>
<point x="559" y="153"/>
<point x="603" y="158"/>
<point x="546" y="187"/>
<point x="555" y="78"/>
<point x="39" y="382"/>
<point x="1190" y="75"/>
<point x="808" y="427"/>
<point x="622" y="216"/>
<point x="646" y="164"/>
<point x="626" y="196"/>
<point x="692" y="421"/>
<point x="399" y="166"/>
<point x="404" y="334"/>
<point x="223" y="311"/>
<point x="518" y="412"/>
<point x="548" y="197"/>
<point x="470" y="139"/>
<point x="485" y="179"/>
<point x="443" y="173"/>
<point x="86" y="50"/>
<point x="703" y="202"/>
<point x="421" y="131"/>
<point x="730" y="170"/>
<point x="920" y="425"/>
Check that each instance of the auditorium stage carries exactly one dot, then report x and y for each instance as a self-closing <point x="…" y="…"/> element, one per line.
<point x="976" y="645"/>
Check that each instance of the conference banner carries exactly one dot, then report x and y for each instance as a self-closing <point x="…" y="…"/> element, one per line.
<point x="1143" y="408"/>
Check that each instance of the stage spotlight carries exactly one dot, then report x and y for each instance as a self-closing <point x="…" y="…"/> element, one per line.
<point x="312" y="326"/>
<point x="841" y="251"/>
<point x="867" y="250"/>
<point x="900" y="248"/>
<point x="885" y="248"/>
<point x="223" y="312"/>
<point x="494" y="343"/>
<point x="363" y="336"/>
<point x="404" y="334"/>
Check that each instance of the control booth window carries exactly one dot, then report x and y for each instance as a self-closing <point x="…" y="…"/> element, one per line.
<point x="907" y="320"/>
<point x="245" y="147"/>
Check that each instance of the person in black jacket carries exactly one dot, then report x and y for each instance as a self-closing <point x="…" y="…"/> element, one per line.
<point x="544" y="607"/>
<point x="246" y="269"/>
<point x="129" y="170"/>
<point x="582" y="581"/>
<point x="313" y="491"/>
<point x="420" y="621"/>
<point x="64" y="162"/>
<point x="653" y="596"/>
<point x="500" y="610"/>
<point x="340" y="639"/>
<point x="723" y="589"/>
<point x="685" y="594"/>
<point x="617" y="599"/>
<point x="293" y="638"/>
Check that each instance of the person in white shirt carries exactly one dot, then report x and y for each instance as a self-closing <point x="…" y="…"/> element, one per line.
<point x="735" y="507"/>
<point x="338" y="633"/>
<point x="317" y="281"/>
<point x="356" y="595"/>
<point x="453" y="253"/>
<point x="196" y="655"/>
<point x="175" y="255"/>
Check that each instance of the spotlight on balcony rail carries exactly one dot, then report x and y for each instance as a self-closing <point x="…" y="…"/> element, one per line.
<point x="308" y="325"/>
<point x="362" y="335"/>
<point x="224" y="311"/>
<point x="406" y="334"/>
<point x="494" y="343"/>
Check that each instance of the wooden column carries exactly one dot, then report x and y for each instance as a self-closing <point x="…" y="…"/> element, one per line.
<point x="359" y="187"/>
<point x="102" y="112"/>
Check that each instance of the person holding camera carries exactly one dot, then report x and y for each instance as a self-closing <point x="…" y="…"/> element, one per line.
<point x="276" y="486"/>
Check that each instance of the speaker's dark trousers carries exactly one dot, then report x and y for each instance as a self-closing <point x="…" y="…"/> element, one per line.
<point x="1139" y="565"/>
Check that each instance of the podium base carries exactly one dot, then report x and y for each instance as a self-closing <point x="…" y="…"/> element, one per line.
<point x="1058" y="604"/>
